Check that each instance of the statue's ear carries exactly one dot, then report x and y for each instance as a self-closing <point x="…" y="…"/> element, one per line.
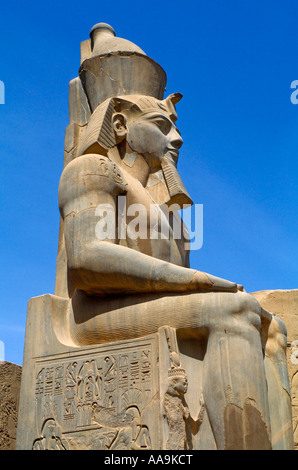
<point x="119" y="126"/>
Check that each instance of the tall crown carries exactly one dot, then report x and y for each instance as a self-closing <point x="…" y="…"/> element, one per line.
<point x="176" y="372"/>
<point x="113" y="66"/>
<point x="175" y="368"/>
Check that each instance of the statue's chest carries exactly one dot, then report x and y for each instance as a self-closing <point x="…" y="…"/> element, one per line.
<point x="150" y="228"/>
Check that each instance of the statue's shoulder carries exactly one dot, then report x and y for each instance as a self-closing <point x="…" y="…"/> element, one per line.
<point x="94" y="165"/>
<point x="90" y="173"/>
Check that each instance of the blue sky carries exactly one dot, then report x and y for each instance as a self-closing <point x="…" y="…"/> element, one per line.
<point x="233" y="61"/>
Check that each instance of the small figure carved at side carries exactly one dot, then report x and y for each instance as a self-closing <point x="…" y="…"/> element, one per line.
<point x="176" y="411"/>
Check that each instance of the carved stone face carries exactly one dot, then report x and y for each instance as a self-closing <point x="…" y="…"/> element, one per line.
<point x="178" y="385"/>
<point x="152" y="134"/>
<point x="181" y="384"/>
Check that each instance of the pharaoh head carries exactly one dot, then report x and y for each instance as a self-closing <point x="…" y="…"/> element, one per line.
<point x="125" y="89"/>
<point x="148" y="127"/>
<point x="145" y="123"/>
<point x="140" y="125"/>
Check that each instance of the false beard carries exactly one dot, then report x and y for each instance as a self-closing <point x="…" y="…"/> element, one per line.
<point x="177" y="191"/>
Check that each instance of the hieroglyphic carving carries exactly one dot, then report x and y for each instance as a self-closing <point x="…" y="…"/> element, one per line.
<point x="51" y="437"/>
<point x="102" y="393"/>
<point x="123" y="431"/>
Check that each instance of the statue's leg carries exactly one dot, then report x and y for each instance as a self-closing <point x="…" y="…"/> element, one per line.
<point x="235" y="387"/>
<point x="274" y="337"/>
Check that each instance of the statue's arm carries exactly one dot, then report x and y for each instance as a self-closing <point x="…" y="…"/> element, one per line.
<point x="103" y="266"/>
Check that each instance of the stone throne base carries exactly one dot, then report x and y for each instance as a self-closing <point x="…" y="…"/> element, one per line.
<point x="109" y="396"/>
<point x="142" y="393"/>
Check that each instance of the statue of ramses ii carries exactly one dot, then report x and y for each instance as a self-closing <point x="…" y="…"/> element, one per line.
<point x="123" y="271"/>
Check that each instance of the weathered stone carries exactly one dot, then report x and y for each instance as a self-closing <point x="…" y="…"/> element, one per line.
<point x="284" y="303"/>
<point x="136" y="350"/>
<point x="118" y="67"/>
<point x="79" y="110"/>
<point x="10" y="384"/>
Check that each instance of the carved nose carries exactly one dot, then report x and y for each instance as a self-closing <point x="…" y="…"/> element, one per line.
<point x="175" y="138"/>
<point x="177" y="143"/>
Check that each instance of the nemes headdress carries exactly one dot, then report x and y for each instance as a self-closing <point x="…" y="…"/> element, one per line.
<point x="99" y="136"/>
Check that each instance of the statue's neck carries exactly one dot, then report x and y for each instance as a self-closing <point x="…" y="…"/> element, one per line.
<point x="166" y="190"/>
<point x="132" y="162"/>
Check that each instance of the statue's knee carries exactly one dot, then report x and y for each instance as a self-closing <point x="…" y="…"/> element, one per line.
<point x="276" y="337"/>
<point x="240" y="313"/>
<point x="245" y="303"/>
<point x="280" y="326"/>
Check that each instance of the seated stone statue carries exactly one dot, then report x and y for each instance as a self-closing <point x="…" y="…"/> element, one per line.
<point x="125" y="287"/>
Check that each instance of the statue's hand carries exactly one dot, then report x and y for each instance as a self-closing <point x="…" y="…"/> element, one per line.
<point x="186" y="413"/>
<point x="202" y="401"/>
<point x="208" y="283"/>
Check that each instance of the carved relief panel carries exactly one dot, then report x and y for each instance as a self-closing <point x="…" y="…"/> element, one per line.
<point x="103" y="399"/>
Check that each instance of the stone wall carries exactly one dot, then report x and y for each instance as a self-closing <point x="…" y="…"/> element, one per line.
<point x="10" y="382"/>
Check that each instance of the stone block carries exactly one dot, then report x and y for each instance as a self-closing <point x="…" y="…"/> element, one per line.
<point x="96" y="397"/>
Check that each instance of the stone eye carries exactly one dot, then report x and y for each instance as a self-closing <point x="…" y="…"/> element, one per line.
<point x="164" y="125"/>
